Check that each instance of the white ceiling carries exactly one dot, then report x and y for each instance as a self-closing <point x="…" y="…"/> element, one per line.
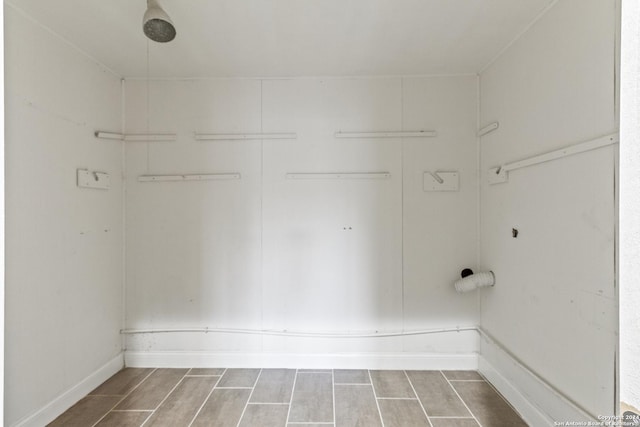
<point x="281" y="38"/>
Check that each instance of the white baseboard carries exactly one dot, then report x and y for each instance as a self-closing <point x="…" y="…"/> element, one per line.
<point x="537" y="402"/>
<point x="67" y="399"/>
<point x="417" y="361"/>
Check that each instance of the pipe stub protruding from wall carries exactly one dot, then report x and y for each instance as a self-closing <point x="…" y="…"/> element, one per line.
<point x="471" y="281"/>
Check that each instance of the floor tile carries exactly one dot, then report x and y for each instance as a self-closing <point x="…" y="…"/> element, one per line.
<point x="183" y="403"/>
<point x="312" y="398"/>
<point x="351" y="376"/>
<point x="274" y="386"/>
<point x="264" y="416"/>
<point x="150" y="393"/>
<point x="436" y="394"/>
<point x="317" y="371"/>
<point x="223" y="408"/>
<point x="86" y="412"/>
<point x="206" y="371"/>
<point x="402" y="413"/>
<point x="124" y="419"/>
<point x="239" y="378"/>
<point x="356" y="406"/>
<point x="391" y="384"/>
<point x="454" y="422"/>
<point x="490" y="409"/>
<point x="122" y="382"/>
<point x="463" y="376"/>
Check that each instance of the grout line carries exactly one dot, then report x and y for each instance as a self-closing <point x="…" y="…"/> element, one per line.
<point x="125" y="396"/>
<point x="205" y="400"/>
<point x="461" y="399"/>
<point x="246" y="405"/>
<point x="333" y="393"/>
<point x="293" y="389"/>
<point x="206" y="376"/>
<point x="165" y="398"/>
<point x="375" y="397"/>
<point x="424" y="411"/>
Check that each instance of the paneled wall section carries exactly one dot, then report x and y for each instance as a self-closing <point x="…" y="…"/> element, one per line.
<point x="318" y="255"/>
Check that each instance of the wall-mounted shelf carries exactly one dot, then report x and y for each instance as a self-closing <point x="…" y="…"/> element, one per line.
<point x="242" y="136"/>
<point x="500" y="174"/>
<point x="340" y="175"/>
<point x="93" y="179"/>
<point x="391" y="134"/>
<point x="440" y="181"/>
<point x="489" y="128"/>
<point x="194" y="177"/>
<point x="137" y="137"/>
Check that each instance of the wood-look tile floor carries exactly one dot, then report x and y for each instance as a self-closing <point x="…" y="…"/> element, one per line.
<point x="137" y="397"/>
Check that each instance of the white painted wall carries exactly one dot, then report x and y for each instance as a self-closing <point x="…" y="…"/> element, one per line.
<point x="630" y="205"/>
<point x="266" y="252"/>
<point x="554" y="303"/>
<point x="63" y="243"/>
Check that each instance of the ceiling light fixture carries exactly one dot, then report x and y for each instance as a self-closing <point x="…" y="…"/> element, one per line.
<point x="156" y="24"/>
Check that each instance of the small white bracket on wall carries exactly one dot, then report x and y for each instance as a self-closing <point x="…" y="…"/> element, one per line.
<point x="440" y="181"/>
<point x="339" y="175"/>
<point x="489" y="128"/>
<point x="92" y="179"/>
<point x="138" y="137"/>
<point x="242" y="136"/>
<point x="500" y="174"/>
<point x="391" y="134"/>
<point x="194" y="177"/>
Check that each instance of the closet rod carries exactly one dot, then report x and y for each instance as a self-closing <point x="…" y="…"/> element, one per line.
<point x="390" y="134"/>
<point x="137" y="137"/>
<point x="193" y="177"/>
<point x="501" y="174"/>
<point x="243" y="136"/>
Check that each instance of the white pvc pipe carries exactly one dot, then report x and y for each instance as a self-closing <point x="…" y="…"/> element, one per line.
<point x="475" y="281"/>
<point x="303" y="334"/>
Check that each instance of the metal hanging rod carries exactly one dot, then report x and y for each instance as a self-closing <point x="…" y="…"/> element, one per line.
<point x="390" y="134"/>
<point x="500" y="174"/>
<point x="137" y="137"/>
<point x="243" y="136"/>
<point x="195" y="177"/>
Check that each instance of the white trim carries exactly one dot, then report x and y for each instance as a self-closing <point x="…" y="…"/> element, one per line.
<point x="60" y="404"/>
<point x="537" y="401"/>
<point x="411" y="361"/>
